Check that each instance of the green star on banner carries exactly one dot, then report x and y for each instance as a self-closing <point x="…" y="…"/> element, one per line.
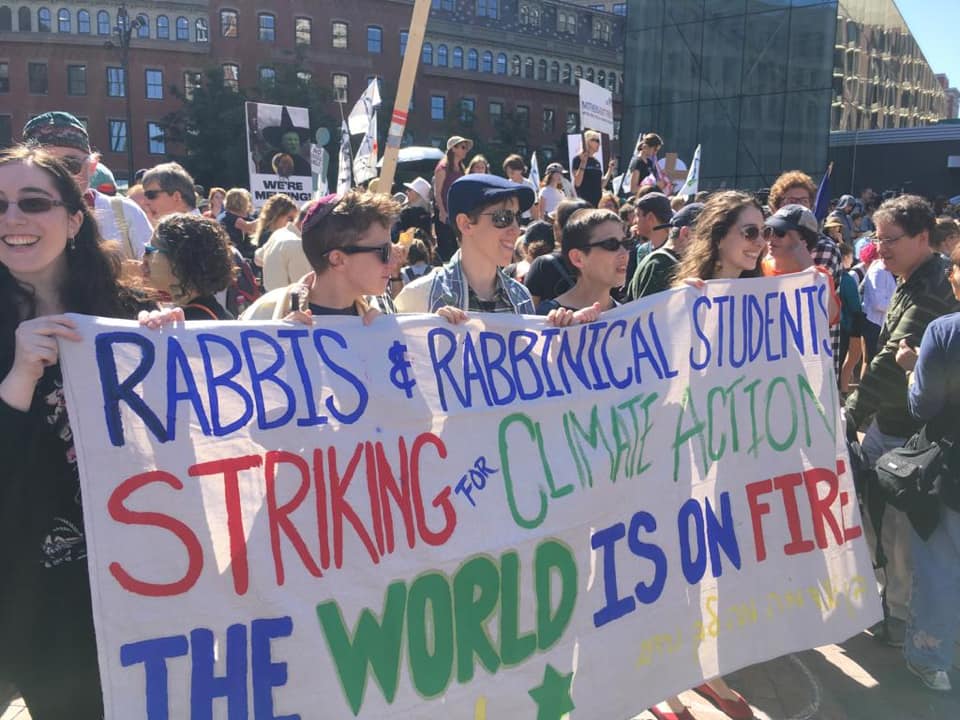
<point x="552" y="696"/>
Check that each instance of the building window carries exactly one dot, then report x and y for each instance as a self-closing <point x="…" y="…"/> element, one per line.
<point x="535" y="17"/>
<point x="601" y="78"/>
<point x="115" y="85"/>
<point x="44" y="20"/>
<point x="542" y="71"/>
<point x="76" y="79"/>
<point x="63" y="21"/>
<point x="6" y="20"/>
<point x="266" y="27"/>
<point x="229" y="23"/>
<point x="426" y="55"/>
<point x="472" y="60"/>
<point x="403" y="42"/>
<point x="524" y="15"/>
<point x="143" y="30"/>
<point x="620" y="8"/>
<point x="303" y="31"/>
<point x="341" y="87"/>
<point x="488" y="8"/>
<point x="554" y="72"/>
<point x="103" y="23"/>
<point x="442" y="55"/>
<point x="578" y="72"/>
<point x="522" y="115"/>
<point x="340" y="38"/>
<point x="4" y="77"/>
<point x="183" y="28"/>
<point x="202" y="30"/>
<point x="501" y="63"/>
<point x="442" y="5"/>
<point x="83" y="22"/>
<point x="231" y="76"/>
<point x="589" y="74"/>
<point x="601" y="30"/>
<point x="163" y="27"/>
<point x="304" y="77"/>
<point x="154" y="84"/>
<point x="468" y="108"/>
<point x="118" y="135"/>
<point x="156" y="142"/>
<point x="268" y="76"/>
<point x="486" y="62"/>
<point x="495" y="112"/>
<point x="528" y="70"/>
<point x="573" y="122"/>
<point x="458" y="58"/>
<point x="515" y="66"/>
<point x="549" y="120"/>
<point x="566" y="22"/>
<point x="567" y="77"/>
<point x="191" y="83"/>
<point x="438" y="107"/>
<point x="374" y="39"/>
<point x="612" y="81"/>
<point x="6" y="131"/>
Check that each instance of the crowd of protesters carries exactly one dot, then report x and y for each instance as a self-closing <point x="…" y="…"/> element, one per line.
<point x="464" y="241"/>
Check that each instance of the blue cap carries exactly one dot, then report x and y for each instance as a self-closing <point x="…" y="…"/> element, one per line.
<point x="477" y="190"/>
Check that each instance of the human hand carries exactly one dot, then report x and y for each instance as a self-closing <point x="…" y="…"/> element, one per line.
<point x="35" y="345"/>
<point x="452" y="315"/>
<point x="155" y="319"/>
<point x="560" y="317"/>
<point x="612" y="166"/>
<point x="304" y="317"/>
<point x="906" y="356"/>
<point x="694" y="283"/>
<point x="370" y="315"/>
<point x="587" y="315"/>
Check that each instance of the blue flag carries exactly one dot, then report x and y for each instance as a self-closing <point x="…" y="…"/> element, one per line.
<point x="822" y="205"/>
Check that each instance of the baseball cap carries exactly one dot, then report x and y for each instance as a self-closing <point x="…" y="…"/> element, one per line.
<point x="793" y="217"/>
<point x="685" y="217"/>
<point x="470" y="192"/>
<point x="554" y="167"/>
<point x="658" y="204"/>
<point x="57" y="128"/>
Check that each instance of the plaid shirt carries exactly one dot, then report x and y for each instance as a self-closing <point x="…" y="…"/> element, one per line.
<point x="827" y="255"/>
<point x="499" y="304"/>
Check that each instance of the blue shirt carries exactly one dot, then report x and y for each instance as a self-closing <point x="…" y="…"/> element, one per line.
<point x="936" y="382"/>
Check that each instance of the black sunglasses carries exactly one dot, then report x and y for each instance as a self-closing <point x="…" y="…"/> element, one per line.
<point x="750" y="232"/>
<point x="153" y="194"/>
<point x="31" y="205"/>
<point x="503" y="218"/>
<point x="613" y="244"/>
<point x="768" y="232"/>
<point x="383" y="251"/>
<point x="73" y="164"/>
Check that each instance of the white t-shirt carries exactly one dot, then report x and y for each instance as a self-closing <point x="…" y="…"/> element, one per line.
<point x="550" y="197"/>
<point x="878" y="288"/>
<point x="282" y="258"/>
<point x="139" y="228"/>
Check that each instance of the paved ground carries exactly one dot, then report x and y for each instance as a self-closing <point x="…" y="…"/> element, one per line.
<point x="860" y="679"/>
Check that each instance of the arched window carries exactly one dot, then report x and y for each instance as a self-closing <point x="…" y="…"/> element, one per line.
<point x="6" y="18"/>
<point x="63" y="20"/>
<point x="427" y="57"/>
<point x="458" y="57"/>
<point x="163" y="27"/>
<point x="44" y="20"/>
<point x="578" y="72"/>
<point x="515" y="66"/>
<point x="554" y="72"/>
<point x="535" y="17"/>
<point x="103" y="23"/>
<point x="183" y="28"/>
<point x="486" y="62"/>
<point x="502" y="64"/>
<point x="144" y="30"/>
<point x="25" y="18"/>
<point x="528" y="68"/>
<point x="601" y="78"/>
<point x="612" y="81"/>
<point x="524" y="14"/>
<point x="202" y="30"/>
<point x="542" y="70"/>
<point x="567" y="77"/>
<point x="442" y="55"/>
<point x="472" y="60"/>
<point x="83" y="22"/>
<point x="590" y="74"/>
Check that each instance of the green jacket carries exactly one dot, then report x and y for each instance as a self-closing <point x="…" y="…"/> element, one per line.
<point x="923" y="297"/>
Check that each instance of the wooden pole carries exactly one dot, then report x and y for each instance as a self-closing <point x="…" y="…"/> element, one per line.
<point x="408" y="73"/>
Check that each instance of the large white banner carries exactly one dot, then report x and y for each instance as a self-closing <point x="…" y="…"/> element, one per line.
<point x="494" y="520"/>
<point x="596" y="107"/>
<point x="279" y="152"/>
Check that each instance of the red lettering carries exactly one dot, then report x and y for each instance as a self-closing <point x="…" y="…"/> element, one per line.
<point x="442" y="498"/>
<point x="320" y="488"/>
<point x="119" y="512"/>
<point x="757" y="511"/>
<point x="374" y="494"/>
<point x="278" y="515"/>
<point x="341" y="508"/>
<point x="820" y="508"/>
<point x="401" y="495"/>
<point x="849" y="533"/>
<point x="230" y="468"/>
<point x="787" y="484"/>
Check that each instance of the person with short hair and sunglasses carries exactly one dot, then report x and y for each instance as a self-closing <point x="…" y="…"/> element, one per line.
<point x="118" y="218"/>
<point x="346" y="240"/>
<point x="596" y="248"/>
<point x="168" y="188"/>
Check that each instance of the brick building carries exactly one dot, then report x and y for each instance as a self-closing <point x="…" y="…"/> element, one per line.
<point x="486" y="64"/>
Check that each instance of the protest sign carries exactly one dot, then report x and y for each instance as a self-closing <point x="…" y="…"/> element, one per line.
<point x="279" y="153"/>
<point x="497" y="519"/>
<point x="596" y="107"/>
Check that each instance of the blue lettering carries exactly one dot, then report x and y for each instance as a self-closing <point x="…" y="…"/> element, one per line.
<point x="205" y="686"/>
<point x="153" y="654"/>
<point x="693" y="567"/>
<point x="701" y="301"/>
<point x="295" y="336"/>
<point x="524" y="356"/>
<point x="441" y="365"/>
<point x="348" y="418"/>
<point x="257" y="378"/>
<point x="647" y="593"/>
<point x="494" y="366"/>
<point x="115" y="392"/>
<point x="179" y="366"/>
<point x="266" y="673"/>
<point x="224" y="380"/>
<point x="615" y="607"/>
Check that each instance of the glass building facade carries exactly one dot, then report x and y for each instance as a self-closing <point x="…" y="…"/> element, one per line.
<point x="749" y="80"/>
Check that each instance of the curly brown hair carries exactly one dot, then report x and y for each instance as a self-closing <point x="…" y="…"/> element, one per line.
<point x="788" y="181"/>
<point x="719" y="214"/>
<point x="275" y="207"/>
<point x="198" y="250"/>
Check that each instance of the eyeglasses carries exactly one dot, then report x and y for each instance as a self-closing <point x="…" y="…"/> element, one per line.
<point x="503" y="218"/>
<point x="769" y="232"/>
<point x="31" y="205"/>
<point x="149" y="249"/>
<point x="797" y="200"/>
<point x="612" y="244"/>
<point x="750" y="232"/>
<point x="888" y="241"/>
<point x="74" y="164"/>
<point x="153" y="194"/>
<point x="384" y="251"/>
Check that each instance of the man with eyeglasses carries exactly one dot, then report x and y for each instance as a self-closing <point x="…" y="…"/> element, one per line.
<point x="168" y="188"/>
<point x="119" y="219"/>
<point x="923" y="293"/>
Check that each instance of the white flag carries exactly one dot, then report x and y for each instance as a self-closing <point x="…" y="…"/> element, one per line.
<point x="534" y="173"/>
<point x="360" y="117"/>
<point x="344" y="175"/>
<point x="365" y="161"/>
<point x="690" y="187"/>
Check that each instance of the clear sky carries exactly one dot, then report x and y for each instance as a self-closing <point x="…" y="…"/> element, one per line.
<point x="936" y="26"/>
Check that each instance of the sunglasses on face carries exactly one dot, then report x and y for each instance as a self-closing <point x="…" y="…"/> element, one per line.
<point x="153" y="194"/>
<point x="612" y="244"/>
<point x="383" y="251"/>
<point x="503" y="218"/>
<point x="149" y="249"/>
<point x="31" y="205"/>
<point x="769" y="232"/>
<point x="73" y="164"/>
<point x="802" y="200"/>
<point x="750" y="232"/>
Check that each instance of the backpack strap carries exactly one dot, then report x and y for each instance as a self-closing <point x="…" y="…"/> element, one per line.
<point x="207" y="310"/>
<point x="116" y="204"/>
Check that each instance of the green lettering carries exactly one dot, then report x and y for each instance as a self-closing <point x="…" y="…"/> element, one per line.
<point x="553" y="556"/>
<point x="514" y="648"/>
<point x="534" y="430"/>
<point x="792" y="435"/>
<point x="682" y="437"/>
<point x="430" y="668"/>
<point x="829" y="420"/>
<point x="471" y="612"/>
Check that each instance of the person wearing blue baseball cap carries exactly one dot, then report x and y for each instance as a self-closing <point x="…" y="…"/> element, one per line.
<point x="484" y="211"/>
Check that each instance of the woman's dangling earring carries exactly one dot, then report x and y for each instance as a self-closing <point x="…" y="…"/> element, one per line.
<point x="71" y="243"/>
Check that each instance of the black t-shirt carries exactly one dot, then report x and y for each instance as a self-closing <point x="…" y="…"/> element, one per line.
<point x="591" y="187"/>
<point x="351" y="310"/>
<point x="206" y="308"/>
<point x="547" y="277"/>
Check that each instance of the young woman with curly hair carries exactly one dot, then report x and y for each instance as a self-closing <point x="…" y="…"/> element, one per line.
<point x="190" y="259"/>
<point x="52" y="261"/>
<point x="277" y="212"/>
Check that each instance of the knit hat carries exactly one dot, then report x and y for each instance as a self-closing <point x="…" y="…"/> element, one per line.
<point x="57" y="128"/>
